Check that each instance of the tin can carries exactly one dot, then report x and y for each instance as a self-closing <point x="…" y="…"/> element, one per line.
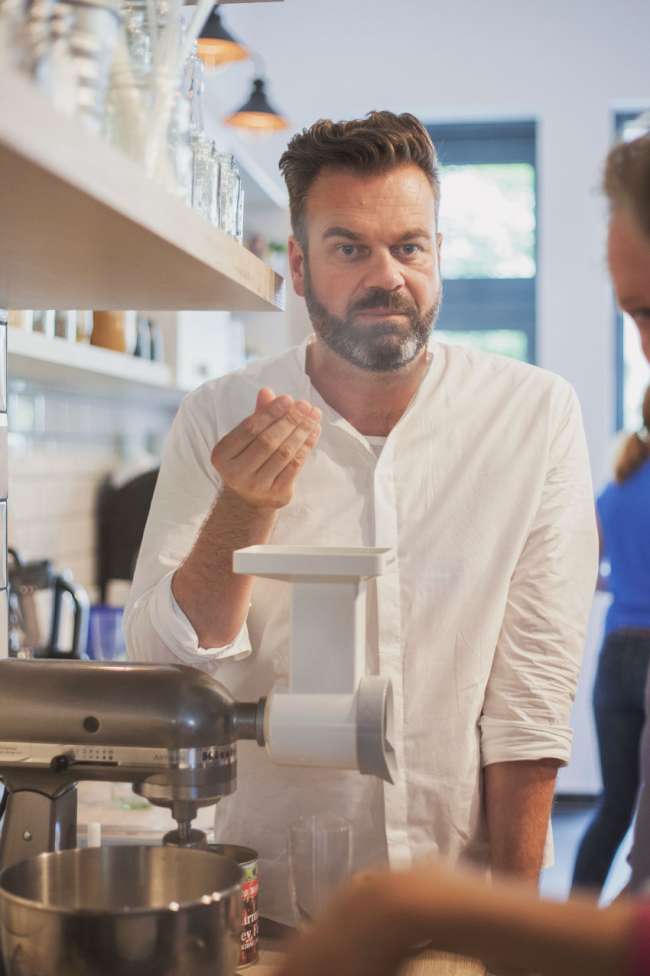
<point x="246" y="858"/>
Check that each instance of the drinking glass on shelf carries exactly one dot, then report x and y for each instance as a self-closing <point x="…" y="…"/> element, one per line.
<point x="228" y="195"/>
<point x="43" y="322"/>
<point x="320" y="860"/>
<point x="239" y="224"/>
<point x="12" y="33"/>
<point x="148" y="118"/>
<point x="205" y="178"/>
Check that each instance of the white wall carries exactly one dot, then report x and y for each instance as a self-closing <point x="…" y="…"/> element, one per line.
<point x="566" y="63"/>
<point x="61" y="447"/>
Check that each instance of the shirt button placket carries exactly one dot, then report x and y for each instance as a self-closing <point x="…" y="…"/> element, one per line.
<point x="390" y="653"/>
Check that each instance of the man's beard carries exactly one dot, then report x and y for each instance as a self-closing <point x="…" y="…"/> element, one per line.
<point x="383" y="347"/>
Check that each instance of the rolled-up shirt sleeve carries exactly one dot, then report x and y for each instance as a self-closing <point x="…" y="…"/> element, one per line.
<point x="157" y="630"/>
<point x="527" y="707"/>
<point x="176" y="633"/>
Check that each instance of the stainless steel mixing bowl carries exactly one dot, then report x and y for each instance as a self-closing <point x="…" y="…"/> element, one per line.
<point x="121" y="911"/>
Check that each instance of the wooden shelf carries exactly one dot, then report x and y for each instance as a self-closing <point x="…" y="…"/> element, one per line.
<point x="82" y="226"/>
<point x="91" y="370"/>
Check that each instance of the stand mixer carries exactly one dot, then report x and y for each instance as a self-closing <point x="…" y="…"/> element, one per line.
<point x="171" y="731"/>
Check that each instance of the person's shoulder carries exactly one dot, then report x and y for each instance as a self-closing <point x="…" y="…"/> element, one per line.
<point x="502" y="373"/>
<point x="638" y="482"/>
<point x="644" y="472"/>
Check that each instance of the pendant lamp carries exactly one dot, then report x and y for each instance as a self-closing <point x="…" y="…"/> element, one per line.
<point x="216" y="46"/>
<point x="257" y="115"/>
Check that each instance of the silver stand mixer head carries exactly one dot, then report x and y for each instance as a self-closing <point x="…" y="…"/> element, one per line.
<point x="171" y="731"/>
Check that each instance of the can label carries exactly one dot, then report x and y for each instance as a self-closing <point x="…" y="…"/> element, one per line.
<point x="250" y="922"/>
<point x="250" y="886"/>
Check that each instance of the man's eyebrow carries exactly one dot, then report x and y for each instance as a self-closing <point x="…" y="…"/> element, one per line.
<point x="341" y="232"/>
<point x="411" y="235"/>
<point x="350" y="235"/>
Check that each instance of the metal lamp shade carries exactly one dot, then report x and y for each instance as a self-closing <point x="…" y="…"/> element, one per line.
<point x="257" y="114"/>
<point x="216" y="46"/>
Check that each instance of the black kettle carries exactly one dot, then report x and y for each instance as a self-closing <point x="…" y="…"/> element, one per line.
<point x="25" y="636"/>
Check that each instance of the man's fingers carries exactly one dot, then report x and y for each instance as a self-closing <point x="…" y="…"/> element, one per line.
<point x="289" y="474"/>
<point x="262" y="447"/>
<point x="264" y="398"/>
<point x="284" y="454"/>
<point x="245" y="433"/>
<point x="273" y="443"/>
<point x="285" y="479"/>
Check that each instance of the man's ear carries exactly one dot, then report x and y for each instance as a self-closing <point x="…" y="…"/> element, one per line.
<point x="297" y="266"/>
<point x="439" y="243"/>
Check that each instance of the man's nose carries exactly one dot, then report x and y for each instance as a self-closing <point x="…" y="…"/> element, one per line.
<point x="384" y="272"/>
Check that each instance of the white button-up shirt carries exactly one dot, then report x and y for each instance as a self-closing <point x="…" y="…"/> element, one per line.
<point x="483" y="491"/>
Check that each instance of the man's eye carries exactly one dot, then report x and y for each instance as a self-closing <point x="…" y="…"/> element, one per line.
<point x="410" y="250"/>
<point x="348" y="250"/>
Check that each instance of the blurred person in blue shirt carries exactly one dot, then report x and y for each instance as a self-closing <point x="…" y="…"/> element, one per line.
<point x="620" y="696"/>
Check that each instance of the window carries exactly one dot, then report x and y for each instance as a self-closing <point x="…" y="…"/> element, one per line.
<point x="488" y="219"/>
<point x="632" y="374"/>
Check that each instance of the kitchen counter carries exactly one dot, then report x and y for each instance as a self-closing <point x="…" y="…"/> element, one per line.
<point x="426" y="964"/>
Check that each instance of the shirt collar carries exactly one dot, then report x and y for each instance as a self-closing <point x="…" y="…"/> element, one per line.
<point x="310" y="393"/>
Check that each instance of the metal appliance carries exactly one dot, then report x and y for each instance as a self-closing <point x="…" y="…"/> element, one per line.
<point x="28" y="581"/>
<point x="121" y="911"/>
<point x="171" y="731"/>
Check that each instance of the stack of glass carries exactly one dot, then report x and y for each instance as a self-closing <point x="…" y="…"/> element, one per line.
<point x="231" y="197"/>
<point x="67" y="47"/>
<point x="151" y="108"/>
<point x="217" y="192"/>
<point x="148" y="115"/>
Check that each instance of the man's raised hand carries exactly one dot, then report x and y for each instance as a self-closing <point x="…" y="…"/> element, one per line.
<point x="260" y="459"/>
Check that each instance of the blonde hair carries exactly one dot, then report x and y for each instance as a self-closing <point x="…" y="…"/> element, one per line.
<point x="636" y="447"/>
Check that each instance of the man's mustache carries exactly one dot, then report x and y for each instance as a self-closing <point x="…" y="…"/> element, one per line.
<point x="380" y="298"/>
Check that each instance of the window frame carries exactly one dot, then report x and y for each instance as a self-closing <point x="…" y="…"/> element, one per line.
<point x="487" y="304"/>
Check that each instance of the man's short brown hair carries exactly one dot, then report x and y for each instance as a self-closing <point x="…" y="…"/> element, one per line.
<point x="627" y="179"/>
<point x="377" y="143"/>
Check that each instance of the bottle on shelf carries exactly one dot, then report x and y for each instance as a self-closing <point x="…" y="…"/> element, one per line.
<point x="21" y="318"/>
<point x="109" y="330"/>
<point x="65" y="324"/>
<point x="44" y="322"/>
<point x="143" y="340"/>
<point x="84" y="325"/>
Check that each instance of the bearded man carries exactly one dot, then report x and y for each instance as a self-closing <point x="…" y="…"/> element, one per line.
<point x="472" y="468"/>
